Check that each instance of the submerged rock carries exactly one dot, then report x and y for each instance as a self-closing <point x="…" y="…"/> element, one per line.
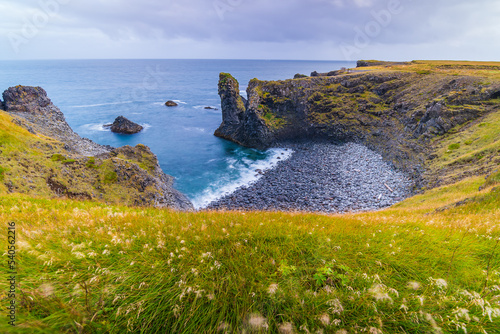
<point x="171" y="103"/>
<point x="125" y="126"/>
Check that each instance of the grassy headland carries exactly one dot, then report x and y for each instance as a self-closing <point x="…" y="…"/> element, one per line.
<point x="430" y="264"/>
<point x="425" y="265"/>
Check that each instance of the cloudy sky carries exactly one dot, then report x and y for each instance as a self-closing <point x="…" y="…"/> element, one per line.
<point x="251" y="29"/>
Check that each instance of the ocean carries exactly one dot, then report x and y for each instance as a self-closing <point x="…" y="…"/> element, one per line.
<point x="92" y="93"/>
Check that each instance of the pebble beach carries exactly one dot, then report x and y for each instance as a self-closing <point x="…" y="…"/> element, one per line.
<point x="322" y="177"/>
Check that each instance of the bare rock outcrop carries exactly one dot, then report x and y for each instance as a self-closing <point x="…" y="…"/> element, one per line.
<point x="125" y="126"/>
<point x="70" y="166"/>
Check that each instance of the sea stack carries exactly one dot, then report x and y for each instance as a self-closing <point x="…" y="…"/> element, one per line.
<point x="125" y="126"/>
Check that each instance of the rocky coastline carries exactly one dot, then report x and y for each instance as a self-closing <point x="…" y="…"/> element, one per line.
<point x="321" y="176"/>
<point x="395" y="113"/>
<point x="53" y="161"/>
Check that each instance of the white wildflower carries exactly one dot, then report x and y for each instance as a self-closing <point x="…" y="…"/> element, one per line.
<point x="379" y="292"/>
<point x="433" y="323"/>
<point x="257" y="322"/>
<point x="79" y="255"/>
<point x="272" y="289"/>
<point x="286" y="328"/>
<point x="46" y="290"/>
<point x="394" y="291"/>
<point x="224" y="327"/>
<point x="328" y="289"/>
<point x="413" y="285"/>
<point x="491" y="313"/>
<point x="461" y="313"/>
<point x="438" y="283"/>
<point x="335" y="306"/>
<point x="106" y="252"/>
<point x="177" y="310"/>
<point x="325" y="319"/>
<point x="303" y="328"/>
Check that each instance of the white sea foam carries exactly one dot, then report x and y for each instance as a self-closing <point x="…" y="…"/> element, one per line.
<point x="95" y="127"/>
<point x="179" y="102"/>
<point x="100" y="127"/>
<point x="193" y="129"/>
<point x="101" y="104"/>
<point x="200" y="107"/>
<point x="247" y="176"/>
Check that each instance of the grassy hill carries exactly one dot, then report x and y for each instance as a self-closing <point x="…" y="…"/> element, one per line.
<point x="430" y="264"/>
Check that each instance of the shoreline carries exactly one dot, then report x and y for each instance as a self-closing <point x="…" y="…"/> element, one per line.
<point x="322" y="177"/>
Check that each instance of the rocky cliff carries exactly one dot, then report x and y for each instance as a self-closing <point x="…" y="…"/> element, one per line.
<point x="41" y="155"/>
<point x="395" y="111"/>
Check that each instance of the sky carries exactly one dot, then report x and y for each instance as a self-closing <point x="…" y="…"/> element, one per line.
<point x="250" y="29"/>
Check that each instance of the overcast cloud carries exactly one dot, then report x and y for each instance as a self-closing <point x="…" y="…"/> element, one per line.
<point x="251" y="29"/>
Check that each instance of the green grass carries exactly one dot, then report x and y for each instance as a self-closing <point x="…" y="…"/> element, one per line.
<point x="58" y="157"/>
<point x="86" y="267"/>
<point x="470" y="150"/>
<point x="493" y="179"/>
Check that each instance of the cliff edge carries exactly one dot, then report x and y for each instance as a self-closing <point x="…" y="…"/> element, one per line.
<point x="397" y="109"/>
<point x="42" y="156"/>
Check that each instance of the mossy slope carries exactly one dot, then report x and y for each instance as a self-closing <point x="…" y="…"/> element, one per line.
<point x="402" y="110"/>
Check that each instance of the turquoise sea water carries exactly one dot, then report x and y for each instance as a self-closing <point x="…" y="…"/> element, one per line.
<point x="92" y="93"/>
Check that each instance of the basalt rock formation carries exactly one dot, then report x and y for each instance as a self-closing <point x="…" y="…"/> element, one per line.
<point x="42" y="156"/>
<point x="125" y="126"/>
<point x="395" y="112"/>
<point x="171" y="104"/>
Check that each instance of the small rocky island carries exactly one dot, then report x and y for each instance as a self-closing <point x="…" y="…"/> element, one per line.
<point x="171" y="103"/>
<point x="124" y="126"/>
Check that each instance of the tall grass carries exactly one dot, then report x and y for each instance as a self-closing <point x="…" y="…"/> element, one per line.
<point x="90" y="268"/>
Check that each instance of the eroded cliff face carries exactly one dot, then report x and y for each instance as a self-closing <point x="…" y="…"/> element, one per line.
<point x="396" y="113"/>
<point x="41" y="155"/>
